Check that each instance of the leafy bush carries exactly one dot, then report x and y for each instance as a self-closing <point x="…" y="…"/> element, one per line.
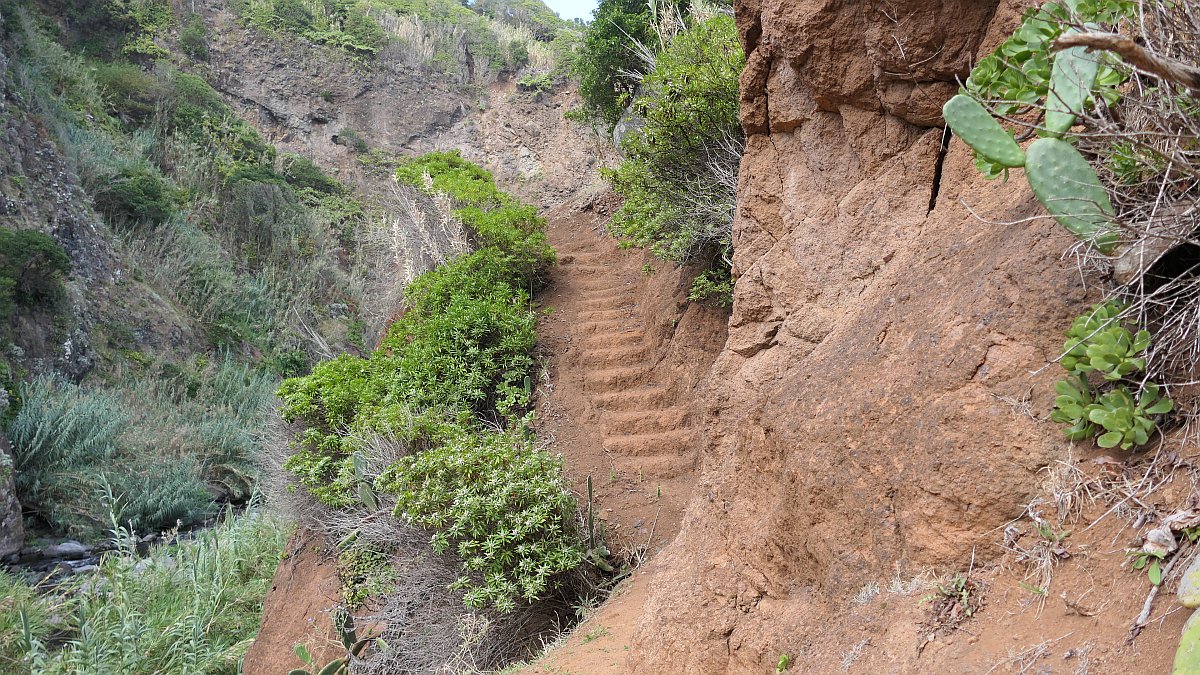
<point x="679" y="172"/>
<point x="536" y="82"/>
<point x="607" y="63"/>
<point x="300" y="172"/>
<point x="193" y="38"/>
<point x="343" y="24"/>
<point x="715" y="284"/>
<point x="498" y="221"/>
<point x="463" y="345"/>
<point x="452" y="371"/>
<point x="136" y="195"/>
<point x="353" y="140"/>
<point x="130" y="92"/>
<point x="144" y="20"/>
<point x="32" y="269"/>
<point x="455" y="176"/>
<point x="191" y="607"/>
<point x="500" y="504"/>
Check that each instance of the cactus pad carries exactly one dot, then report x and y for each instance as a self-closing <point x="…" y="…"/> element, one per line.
<point x="977" y="128"/>
<point x="1067" y="186"/>
<point x="1071" y="81"/>
<point x="1187" y="656"/>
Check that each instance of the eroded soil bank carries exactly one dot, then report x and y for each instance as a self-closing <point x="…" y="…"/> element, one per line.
<point x="860" y="431"/>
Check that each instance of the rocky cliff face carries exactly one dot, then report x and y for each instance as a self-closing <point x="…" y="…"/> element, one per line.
<point x="305" y="98"/>
<point x="857" y="430"/>
<point x="12" y="530"/>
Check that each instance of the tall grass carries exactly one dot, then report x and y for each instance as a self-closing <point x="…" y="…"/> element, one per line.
<point x="164" y="442"/>
<point x="191" y="607"/>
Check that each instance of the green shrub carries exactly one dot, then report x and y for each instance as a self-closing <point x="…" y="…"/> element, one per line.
<point x="300" y="172"/>
<point x="518" y="54"/>
<point x="191" y="607"/>
<point x="607" y="63"/>
<point x="136" y="195"/>
<point x="678" y="176"/>
<point x="461" y="180"/>
<point x="32" y="269"/>
<point x="497" y="220"/>
<point x="715" y="284"/>
<point x="353" y="140"/>
<point x="193" y="38"/>
<point x="502" y="505"/>
<point x="463" y="345"/>
<point x="293" y="16"/>
<point x="452" y="372"/>
<point x="130" y="92"/>
<point x="536" y="82"/>
<point x="196" y="111"/>
<point x="343" y="24"/>
<point x="143" y="21"/>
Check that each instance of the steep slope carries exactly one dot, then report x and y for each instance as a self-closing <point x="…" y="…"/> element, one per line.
<point x="307" y="98"/>
<point x="625" y="357"/>
<point x="626" y="360"/>
<point x="857" y="426"/>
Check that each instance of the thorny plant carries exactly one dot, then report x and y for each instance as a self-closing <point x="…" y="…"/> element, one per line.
<point x="1147" y="157"/>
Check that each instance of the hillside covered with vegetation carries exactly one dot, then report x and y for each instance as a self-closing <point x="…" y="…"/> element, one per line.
<point x="192" y="269"/>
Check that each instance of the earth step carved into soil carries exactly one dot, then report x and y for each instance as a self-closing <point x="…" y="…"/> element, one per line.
<point x="643" y="428"/>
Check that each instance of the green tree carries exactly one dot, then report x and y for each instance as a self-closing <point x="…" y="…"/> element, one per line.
<point x="32" y="266"/>
<point x="608" y="61"/>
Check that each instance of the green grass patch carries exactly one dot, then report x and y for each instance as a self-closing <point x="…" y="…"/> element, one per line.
<point x="192" y="607"/>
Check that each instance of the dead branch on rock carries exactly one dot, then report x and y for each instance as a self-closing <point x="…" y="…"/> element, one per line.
<point x="1136" y="55"/>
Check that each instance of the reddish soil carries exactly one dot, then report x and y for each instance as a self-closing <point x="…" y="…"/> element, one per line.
<point x="625" y="355"/>
<point x="296" y="611"/>
<point x="626" y="358"/>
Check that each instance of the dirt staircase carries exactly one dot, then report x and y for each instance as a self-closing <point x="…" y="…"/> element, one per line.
<point x="620" y="404"/>
<point x="646" y="429"/>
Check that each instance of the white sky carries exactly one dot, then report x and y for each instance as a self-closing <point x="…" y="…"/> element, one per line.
<point x="573" y="9"/>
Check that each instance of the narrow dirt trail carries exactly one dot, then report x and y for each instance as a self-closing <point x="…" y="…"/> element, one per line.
<point x="626" y="357"/>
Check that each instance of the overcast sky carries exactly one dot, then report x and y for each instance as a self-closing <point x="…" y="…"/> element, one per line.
<point x="573" y="9"/>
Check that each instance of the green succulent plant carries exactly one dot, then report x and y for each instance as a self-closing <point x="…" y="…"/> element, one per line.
<point x="1022" y="72"/>
<point x="1098" y="342"/>
<point x="1071" y="407"/>
<point x="1128" y="423"/>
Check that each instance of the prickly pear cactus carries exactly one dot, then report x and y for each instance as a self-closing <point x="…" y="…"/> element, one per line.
<point x="1187" y="656"/>
<point x="1071" y="79"/>
<point x="1068" y="187"/>
<point x="977" y="128"/>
